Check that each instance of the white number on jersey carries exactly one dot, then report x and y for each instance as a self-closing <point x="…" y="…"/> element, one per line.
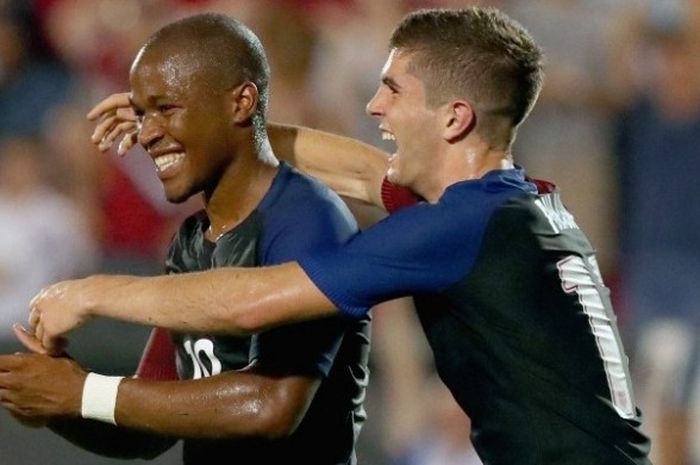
<point x="579" y="276"/>
<point x="203" y="348"/>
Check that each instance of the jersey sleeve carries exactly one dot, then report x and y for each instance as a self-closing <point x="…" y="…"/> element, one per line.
<point x="425" y="248"/>
<point x="303" y="223"/>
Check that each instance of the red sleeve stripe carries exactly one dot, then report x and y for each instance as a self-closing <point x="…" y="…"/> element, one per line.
<point x="395" y="197"/>
<point x="543" y="187"/>
<point x="158" y="359"/>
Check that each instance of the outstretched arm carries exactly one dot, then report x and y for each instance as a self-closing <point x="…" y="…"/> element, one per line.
<point x="230" y="300"/>
<point x="350" y="167"/>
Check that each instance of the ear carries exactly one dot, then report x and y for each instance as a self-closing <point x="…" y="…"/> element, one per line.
<point x="245" y="102"/>
<point x="460" y="120"/>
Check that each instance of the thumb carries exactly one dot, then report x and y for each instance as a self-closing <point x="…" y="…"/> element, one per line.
<point x="31" y="343"/>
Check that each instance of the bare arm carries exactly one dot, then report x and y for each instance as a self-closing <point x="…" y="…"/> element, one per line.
<point x="350" y="167"/>
<point x="233" y="404"/>
<point x="230" y="300"/>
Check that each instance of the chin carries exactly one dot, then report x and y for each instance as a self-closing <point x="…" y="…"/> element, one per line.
<point x="177" y="197"/>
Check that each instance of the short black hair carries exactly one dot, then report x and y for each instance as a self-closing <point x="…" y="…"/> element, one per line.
<point x="224" y="47"/>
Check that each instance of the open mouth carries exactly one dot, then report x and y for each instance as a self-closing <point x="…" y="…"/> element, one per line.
<point x="168" y="162"/>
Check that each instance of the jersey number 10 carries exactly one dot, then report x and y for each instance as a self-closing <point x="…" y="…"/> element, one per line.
<point x="202" y="350"/>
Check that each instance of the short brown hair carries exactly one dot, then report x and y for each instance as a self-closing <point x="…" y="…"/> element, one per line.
<point x="479" y="54"/>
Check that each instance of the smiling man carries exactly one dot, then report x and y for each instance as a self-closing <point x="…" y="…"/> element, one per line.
<point x="506" y="284"/>
<point x="199" y="91"/>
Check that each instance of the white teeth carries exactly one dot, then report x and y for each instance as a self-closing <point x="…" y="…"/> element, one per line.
<point x="388" y="136"/>
<point x="166" y="161"/>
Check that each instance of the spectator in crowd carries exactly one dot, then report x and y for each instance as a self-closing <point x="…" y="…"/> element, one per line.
<point x="658" y="87"/>
<point x="43" y="235"/>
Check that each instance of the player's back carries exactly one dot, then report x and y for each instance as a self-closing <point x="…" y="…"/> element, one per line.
<point x="527" y="343"/>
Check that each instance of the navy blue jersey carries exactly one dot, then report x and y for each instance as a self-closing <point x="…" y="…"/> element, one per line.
<point x="297" y="216"/>
<point x="521" y="327"/>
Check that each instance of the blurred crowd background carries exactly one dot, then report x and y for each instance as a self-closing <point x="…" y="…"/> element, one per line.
<point x="617" y="128"/>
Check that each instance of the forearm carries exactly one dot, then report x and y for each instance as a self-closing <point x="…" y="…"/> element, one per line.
<point x="109" y="440"/>
<point x="224" y="300"/>
<point x="232" y="404"/>
<point x="350" y="167"/>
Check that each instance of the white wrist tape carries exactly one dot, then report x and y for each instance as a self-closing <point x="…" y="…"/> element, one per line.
<point x="100" y="397"/>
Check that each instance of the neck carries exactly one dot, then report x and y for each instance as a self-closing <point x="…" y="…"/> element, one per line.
<point x="462" y="163"/>
<point x="240" y="189"/>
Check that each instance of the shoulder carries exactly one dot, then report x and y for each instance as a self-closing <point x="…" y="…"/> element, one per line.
<point x="300" y="215"/>
<point x="306" y="194"/>
<point x="470" y="203"/>
<point x="300" y="201"/>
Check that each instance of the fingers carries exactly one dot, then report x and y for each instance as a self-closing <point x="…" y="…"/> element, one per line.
<point x="39" y="334"/>
<point x="30" y="421"/>
<point x="126" y="114"/>
<point x="34" y="317"/>
<point x="102" y="128"/>
<point x="127" y="127"/>
<point x="5" y="401"/>
<point x="110" y="104"/>
<point x="55" y="347"/>
<point x="127" y="142"/>
<point x="52" y="345"/>
<point x="114" y="122"/>
<point x="28" y="340"/>
<point x="42" y="293"/>
<point x="9" y="363"/>
<point x="8" y="401"/>
<point x="34" y="312"/>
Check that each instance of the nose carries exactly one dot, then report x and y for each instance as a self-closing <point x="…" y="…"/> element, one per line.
<point x="374" y="106"/>
<point x="150" y="131"/>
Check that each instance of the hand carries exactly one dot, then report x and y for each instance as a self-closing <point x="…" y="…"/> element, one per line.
<point x="33" y="344"/>
<point x="115" y="117"/>
<point x="55" y="311"/>
<point x="30" y="422"/>
<point x="34" y="386"/>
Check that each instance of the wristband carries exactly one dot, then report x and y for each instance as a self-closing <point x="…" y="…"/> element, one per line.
<point x="100" y="397"/>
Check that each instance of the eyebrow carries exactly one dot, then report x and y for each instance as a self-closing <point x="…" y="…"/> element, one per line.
<point x="390" y="82"/>
<point x="151" y="99"/>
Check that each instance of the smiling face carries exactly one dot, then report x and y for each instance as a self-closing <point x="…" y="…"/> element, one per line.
<point x="404" y="116"/>
<point x="184" y="120"/>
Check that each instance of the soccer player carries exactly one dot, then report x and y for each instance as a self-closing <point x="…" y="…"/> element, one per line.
<point x="199" y="87"/>
<point x="506" y="284"/>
